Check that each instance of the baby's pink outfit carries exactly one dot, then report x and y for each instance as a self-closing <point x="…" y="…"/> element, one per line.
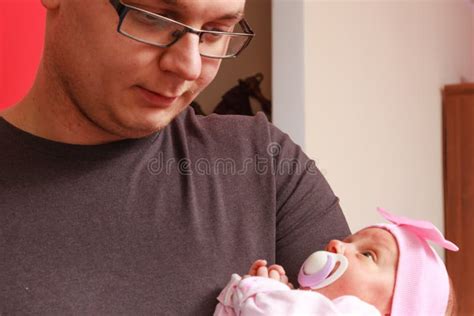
<point x="263" y="296"/>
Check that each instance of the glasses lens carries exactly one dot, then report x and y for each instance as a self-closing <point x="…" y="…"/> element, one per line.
<point x="148" y="27"/>
<point x="156" y="30"/>
<point x="222" y="45"/>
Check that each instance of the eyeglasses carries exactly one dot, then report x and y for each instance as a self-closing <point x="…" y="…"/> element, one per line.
<point x="154" y="29"/>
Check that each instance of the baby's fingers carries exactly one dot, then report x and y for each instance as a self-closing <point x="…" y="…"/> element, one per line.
<point x="277" y="268"/>
<point x="262" y="272"/>
<point x="273" y="274"/>
<point x="256" y="265"/>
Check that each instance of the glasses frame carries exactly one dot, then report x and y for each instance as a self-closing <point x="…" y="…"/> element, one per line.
<point x="123" y="8"/>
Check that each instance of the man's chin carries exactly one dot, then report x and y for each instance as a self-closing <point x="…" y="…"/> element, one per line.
<point x="145" y="121"/>
<point x="146" y="127"/>
<point x="143" y="130"/>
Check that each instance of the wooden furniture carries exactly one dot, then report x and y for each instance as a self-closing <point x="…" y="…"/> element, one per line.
<point x="458" y="139"/>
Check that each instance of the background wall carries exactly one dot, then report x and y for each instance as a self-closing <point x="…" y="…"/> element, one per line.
<point x="373" y="77"/>
<point x="22" y="25"/>
<point x="288" y="68"/>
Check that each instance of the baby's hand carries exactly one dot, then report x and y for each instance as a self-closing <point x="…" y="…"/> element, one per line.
<point x="275" y="271"/>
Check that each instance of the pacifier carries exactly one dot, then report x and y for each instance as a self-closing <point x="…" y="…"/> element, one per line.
<point x="319" y="269"/>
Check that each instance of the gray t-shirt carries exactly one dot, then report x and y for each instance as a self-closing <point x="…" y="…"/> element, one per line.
<point x="155" y="225"/>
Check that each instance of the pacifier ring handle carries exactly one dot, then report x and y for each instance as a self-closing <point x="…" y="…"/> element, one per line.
<point x="324" y="263"/>
<point x="310" y="279"/>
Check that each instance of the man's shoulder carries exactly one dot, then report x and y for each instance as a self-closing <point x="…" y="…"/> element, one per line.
<point x="225" y="123"/>
<point x="223" y="128"/>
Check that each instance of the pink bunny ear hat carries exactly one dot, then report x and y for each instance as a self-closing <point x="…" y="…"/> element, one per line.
<point x="422" y="282"/>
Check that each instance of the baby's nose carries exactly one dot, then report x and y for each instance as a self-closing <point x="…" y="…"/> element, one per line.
<point x="335" y="246"/>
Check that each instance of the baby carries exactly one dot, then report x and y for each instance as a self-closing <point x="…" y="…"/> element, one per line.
<point x="382" y="269"/>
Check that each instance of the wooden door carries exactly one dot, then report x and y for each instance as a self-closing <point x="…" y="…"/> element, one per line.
<point x="458" y="130"/>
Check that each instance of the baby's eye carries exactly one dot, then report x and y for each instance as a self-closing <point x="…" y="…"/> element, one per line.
<point x="369" y="254"/>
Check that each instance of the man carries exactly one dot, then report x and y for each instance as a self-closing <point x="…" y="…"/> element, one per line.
<point x="116" y="198"/>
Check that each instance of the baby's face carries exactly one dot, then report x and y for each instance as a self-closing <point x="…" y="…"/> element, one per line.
<point x="373" y="258"/>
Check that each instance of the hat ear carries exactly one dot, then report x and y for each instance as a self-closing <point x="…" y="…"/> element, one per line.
<point x="422" y="229"/>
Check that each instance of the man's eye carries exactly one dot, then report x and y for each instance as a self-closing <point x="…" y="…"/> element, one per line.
<point x="147" y="19"/>
<point x="150" y="18"/>
<point x="211" y="37"/>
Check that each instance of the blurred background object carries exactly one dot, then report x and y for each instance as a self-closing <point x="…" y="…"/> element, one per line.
<point x="238" y="99"/>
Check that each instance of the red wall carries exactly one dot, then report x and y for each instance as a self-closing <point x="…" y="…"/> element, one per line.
<point x="22" y="24"/>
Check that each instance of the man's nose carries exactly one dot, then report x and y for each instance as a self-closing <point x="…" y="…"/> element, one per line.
<point x="183" y="58"/>
<point x="336" y="246"/>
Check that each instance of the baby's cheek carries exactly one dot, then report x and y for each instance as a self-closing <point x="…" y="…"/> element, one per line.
<point x="333" y="290"/>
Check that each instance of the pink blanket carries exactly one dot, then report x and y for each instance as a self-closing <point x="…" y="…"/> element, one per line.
<point x="264" y="296"/>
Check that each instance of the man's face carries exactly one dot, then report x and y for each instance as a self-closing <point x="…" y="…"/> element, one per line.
<point x="373" y="257"/>
<point x="124" y="87"/>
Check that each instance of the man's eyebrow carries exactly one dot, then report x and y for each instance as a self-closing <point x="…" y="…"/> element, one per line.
<point x="239" y="15"/>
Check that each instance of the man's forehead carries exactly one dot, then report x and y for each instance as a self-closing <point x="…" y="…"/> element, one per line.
<point x="223" y="1"/>
<point x="223" y="9"/>
<point x="185" y="3"/>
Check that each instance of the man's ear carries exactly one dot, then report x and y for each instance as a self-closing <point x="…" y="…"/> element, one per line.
<point x="51" y="4"/>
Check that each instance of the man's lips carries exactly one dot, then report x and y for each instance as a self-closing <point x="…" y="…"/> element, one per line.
<point x="155" y="98"/>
